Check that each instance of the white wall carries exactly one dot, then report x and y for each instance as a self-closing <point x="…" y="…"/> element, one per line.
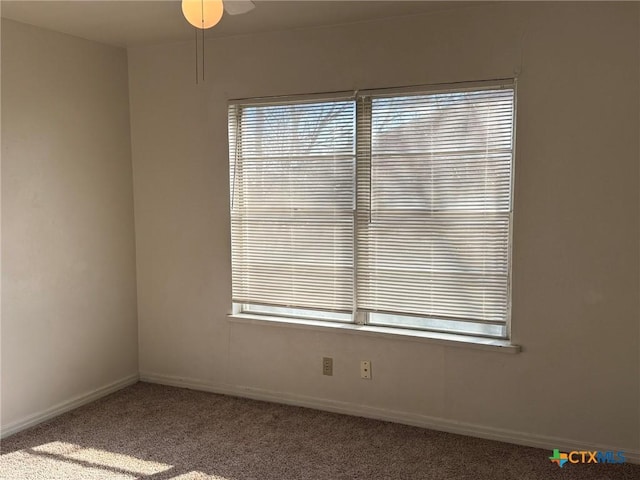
<point x="69" y="325"/>
<point x="576" y="231"/>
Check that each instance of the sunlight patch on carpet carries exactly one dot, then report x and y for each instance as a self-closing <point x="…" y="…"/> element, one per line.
<point x="66" y="460"/>
<point x="24" y="465"/>
<point x="103" y="458"/>
<point x="196" y="475"/>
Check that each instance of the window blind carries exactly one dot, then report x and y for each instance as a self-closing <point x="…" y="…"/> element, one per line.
<point x="392" y="209"/>
<point x="292" y="199"/>
<point x="434" y="209"/>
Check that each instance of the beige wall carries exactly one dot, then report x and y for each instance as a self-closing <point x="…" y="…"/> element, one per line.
<point x="576" y="231"/>
<point x="68" y="274"/>
<point x="69" y="323"/>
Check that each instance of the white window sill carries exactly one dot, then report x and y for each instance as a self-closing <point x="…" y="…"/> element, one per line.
<point x="446" y="339"/>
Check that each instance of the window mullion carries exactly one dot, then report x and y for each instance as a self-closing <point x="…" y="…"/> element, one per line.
<point x="362" y="194"/>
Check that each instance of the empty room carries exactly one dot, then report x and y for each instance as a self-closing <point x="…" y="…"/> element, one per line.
<point x="320" y="240"/>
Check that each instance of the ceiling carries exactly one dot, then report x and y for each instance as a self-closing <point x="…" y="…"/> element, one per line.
<point x="135" y="22"/>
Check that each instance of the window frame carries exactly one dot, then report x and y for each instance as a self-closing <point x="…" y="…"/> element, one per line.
<point x="363" y="318"/>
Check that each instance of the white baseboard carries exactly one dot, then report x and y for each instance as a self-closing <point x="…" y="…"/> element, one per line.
<point x="59" y="409"/>
<point x="445" y="425"/>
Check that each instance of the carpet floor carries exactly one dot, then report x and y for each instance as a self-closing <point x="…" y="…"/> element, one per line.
<point x="160" y="433"/>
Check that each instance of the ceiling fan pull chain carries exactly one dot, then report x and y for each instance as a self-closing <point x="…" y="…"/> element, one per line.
<point x="203" y="55"/>
<point x="196" y="32"/>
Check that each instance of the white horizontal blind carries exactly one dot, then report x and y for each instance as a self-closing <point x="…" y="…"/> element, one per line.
<point x="434" y="207"/>
<point x="292" y="187"/>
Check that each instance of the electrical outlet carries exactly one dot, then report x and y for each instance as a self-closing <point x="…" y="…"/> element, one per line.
<point x="327" y="366"/>
<point x="365" y="369"/>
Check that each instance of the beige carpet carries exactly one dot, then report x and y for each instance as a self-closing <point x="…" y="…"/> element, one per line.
<point x="156" y="432"/>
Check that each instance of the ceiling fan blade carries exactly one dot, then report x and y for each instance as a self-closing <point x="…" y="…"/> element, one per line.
<point x="236" y="7"/>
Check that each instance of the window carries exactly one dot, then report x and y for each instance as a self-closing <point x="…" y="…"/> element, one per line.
<point x="386" y="208"/>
